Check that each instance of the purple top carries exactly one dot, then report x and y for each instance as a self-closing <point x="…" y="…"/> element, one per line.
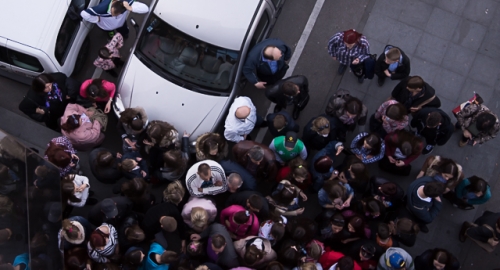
<point x="210" y="252"/>
<point x="65" y="143"/>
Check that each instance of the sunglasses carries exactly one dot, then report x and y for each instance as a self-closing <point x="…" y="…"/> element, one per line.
<point x="336" y="221"/>
<point x="75" y="121"/>
<point x="323" y="127"/>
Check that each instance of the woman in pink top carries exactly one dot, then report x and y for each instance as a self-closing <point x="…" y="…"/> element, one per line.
<point x="77" y="125"/>
<point x="239" y="222"/>
<point x="98" y="90"/>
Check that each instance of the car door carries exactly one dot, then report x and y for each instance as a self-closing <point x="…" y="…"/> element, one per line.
<point x="4" y="61"/>
<point x="23" y="61"/>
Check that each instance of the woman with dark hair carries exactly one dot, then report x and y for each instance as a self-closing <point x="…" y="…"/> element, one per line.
<point x="285" y="199"/>
<point x="331" y="224"/>
<point x="444" y="170"/>
<point x="437" y="258"/>
<point x="104" y="165"/>
<point x="129" y="233"/>
<point x="372" y="209"/>
<point x="401" y="148"/>
<point x="356" y="229"/>
<point x="368" y="148"/>
<point x="75" y="191"/>
<point x="471" y="191"/>
<point x="478" y="124"/>
<point x="389" y="117"/>
<point x="387" y="192"/>
<point x="335" y="195"/>
<point x="103" y="243"/>
<point x="415" y="94"/>
<point x="138" y="191"/>
<point x="318" y="132"/>
<point x="133" y="121"/>
<point x="109" y="55"/>
<point x="301" y="230"/>
<point x="211" y="146"/>
<point x="61" y="153"/>
<point x="352" y="49"/>
<point x="98" y="91"/>
<point x="82" y="130"/>
<point x="273" y="229"/>
<point x="356" y="174"/>
<point x="239" y="222"/>
<point x="290" y="253"/>
<point x="347" y="112"/>
<point x="255" y="252"/>
<point x="160" y="134"/>
<point x="170" y="165"/>
<point x="133" y="258"/>
<point x="296" y="172"/>
<point x="321" y="165"/>
<point x="47" y="98"/>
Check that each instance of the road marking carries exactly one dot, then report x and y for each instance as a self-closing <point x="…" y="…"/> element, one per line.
<point x="97" y="73"/>
<point x="296" y="55"/>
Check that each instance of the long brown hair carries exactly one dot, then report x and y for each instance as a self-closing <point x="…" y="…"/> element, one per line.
<point x="58" y="155"/>
<point x="68" y="189"/>
<point x="96" y="90"/>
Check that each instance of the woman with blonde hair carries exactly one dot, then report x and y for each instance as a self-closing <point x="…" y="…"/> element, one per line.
<point x="318" y="132"/>
<point x="75" y="232"/>
<point x="197" y="213"/>
<point x="174" y="193"/>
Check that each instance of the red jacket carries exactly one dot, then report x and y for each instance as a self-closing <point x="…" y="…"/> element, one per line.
<point x="331" y="257"/>
<point x="391" y="143"/>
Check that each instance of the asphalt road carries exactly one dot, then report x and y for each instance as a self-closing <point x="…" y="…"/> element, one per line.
<point x="314" y="62"/>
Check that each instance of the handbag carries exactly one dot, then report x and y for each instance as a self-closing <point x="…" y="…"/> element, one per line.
<point x="100" y="116"/>
<point x="465" y="104"/>
<point x="303" y="103"/>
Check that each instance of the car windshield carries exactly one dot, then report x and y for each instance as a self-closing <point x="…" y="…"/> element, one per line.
<point x="187" y="58"/>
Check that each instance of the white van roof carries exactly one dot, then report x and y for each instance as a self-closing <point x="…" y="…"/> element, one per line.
<point x="222" y="23"/>
<point x="32" y="22"/>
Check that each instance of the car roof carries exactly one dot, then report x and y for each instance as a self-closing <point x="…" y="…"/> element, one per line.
<point x="28" y="21"/>
<point x="223" y="23"/>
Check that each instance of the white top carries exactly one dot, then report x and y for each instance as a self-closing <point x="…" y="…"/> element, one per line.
<point x="193" y="180"/>
<point x="236" y="129"/>
<point x="80" y="180"/>
<point x="112" y="23"/>
<point x="428" y="199"/>
<point x="100" y="256"/>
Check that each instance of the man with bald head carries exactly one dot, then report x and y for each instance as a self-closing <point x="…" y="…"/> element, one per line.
<point x="266" y="62"/>
<point x="241" y="120"/>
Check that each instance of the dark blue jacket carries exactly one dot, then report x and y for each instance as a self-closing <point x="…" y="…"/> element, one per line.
<point x="319" y="178"/>
<point x="249" y="182"/>
<point x="424" y="211"/>
<point x="254" y="64"/>
<point x="291" y="125"/>
<point x="313" y="140"/>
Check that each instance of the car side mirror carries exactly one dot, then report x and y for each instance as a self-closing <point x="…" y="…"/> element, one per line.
<point x="135" y="25"/>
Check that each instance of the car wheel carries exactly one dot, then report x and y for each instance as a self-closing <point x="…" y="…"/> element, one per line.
<point x="82" y="55"/>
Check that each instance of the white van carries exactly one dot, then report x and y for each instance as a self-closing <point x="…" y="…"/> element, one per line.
<point x="42" y="36"/>
<point x="185" y="67"/>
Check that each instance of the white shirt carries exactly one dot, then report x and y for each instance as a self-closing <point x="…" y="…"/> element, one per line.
<point x="193" y="180"/>
<point x="78" y="181"/>
<point x="236" y="129"/>
<point x="112" y="23"/>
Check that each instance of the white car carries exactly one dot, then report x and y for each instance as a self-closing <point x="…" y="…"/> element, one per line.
<point x="42" y="37"/>
<point x="185" y="68"/>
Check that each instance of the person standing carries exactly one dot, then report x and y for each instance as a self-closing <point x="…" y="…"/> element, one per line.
<point x="287" y="147"/>
<point x="415" y="94"/>
<point x="292" y="90"/>
<point x="392" y="63"/>
<point x="424" y="200"/>
<point x="352" y="49"/>
<point x="434" y="126"/>
<point x="280" y="123"/>
<point x="478" y="124"/>
<point x="395" y="258"/>
<point x="266" y="62"/>
<point x="241" y="120"/>
<point x="111" y="15"/>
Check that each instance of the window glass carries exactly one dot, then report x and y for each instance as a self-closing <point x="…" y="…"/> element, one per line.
<point x="65" y="37"/>
<point x="24" y="61"/>
<point x="260" y="31"/>
<point x="3" y="54"/>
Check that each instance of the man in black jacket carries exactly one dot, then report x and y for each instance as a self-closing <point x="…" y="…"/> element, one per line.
<point x="266" y="62"/>
<point x="280" y="123"/>
<point x="434" y="126"/>
<point x="292" y="90"/>
<point x="111" y="210"/>
<point x="393" y="63"/>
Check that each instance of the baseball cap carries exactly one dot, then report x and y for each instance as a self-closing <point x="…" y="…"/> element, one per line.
<point x="396" y="261"/>
<point x="55" y="212"/>
<point x="108" y="207"/>
<point x="290" y="139"/>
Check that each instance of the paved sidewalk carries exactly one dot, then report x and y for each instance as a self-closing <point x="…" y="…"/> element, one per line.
<point x="455" y="46"/>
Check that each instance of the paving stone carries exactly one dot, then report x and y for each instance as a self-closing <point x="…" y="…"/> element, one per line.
<point x="379" y="27"/>
<point x="484" y="69"/>
<point x="406" y="37"/>
<point x="470" y="86"/>
<point x="396" y="8"/>
<point x="495" y="23"/>
<point x="494" y="105"/>
<point x="448" y="105"/>
<point x="449" y="85"/>
<point x="453" y="6"/>
<point x="469" y="34"/>
<point x="480" y="11"/>
<point x="491" y="44"/>
<point x="424" y="69"/>
<point x="416" y="13"/>
<point x="432" y="48"/>
<point x="442" y="23"/>
<point x="458" y="59"/>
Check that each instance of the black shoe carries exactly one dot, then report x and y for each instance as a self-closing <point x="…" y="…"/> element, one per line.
<point x="361" y="79"/>
<point x="91" y="201"/>
<point x="277" y="109"/>
<point x="423" y="228"/>
<point x="296" y="113"/>
<point x="342" y="69"/>
<point x="461" y="235"/>
<point x="427" y="149"/>
<point x="381" y="81"/>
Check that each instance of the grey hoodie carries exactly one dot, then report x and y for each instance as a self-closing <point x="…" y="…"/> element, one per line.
<point x="382" y="263"/>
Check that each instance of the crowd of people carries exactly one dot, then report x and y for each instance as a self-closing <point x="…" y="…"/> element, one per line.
<point x="215" y="214"/>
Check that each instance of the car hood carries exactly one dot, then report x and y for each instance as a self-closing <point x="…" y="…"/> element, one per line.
<point x="187" y="110"/>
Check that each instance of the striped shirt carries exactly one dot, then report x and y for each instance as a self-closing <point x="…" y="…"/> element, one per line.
<point x="365" y="152"/>
<point x="65" y="143"/>
<point x="337" y="49"/>
<point x="389" y="124"/>
<point x="100" y="255"/>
